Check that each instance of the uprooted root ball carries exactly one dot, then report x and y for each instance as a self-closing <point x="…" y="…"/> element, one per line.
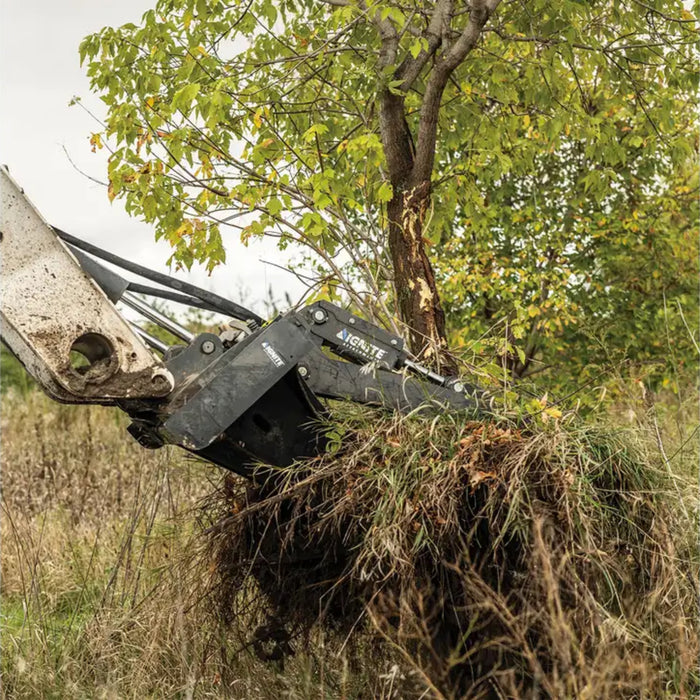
<point x="499" y="561"/>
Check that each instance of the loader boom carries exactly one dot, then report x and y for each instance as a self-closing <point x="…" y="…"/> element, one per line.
<point x="53" y="314"/>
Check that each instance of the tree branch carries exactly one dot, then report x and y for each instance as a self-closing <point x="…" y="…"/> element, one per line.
<point x="480" y="12"/>
<point x="411" y="67"/>
<point x="396" y="137"/>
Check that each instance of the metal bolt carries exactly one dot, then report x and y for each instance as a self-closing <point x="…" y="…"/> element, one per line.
<point x="352" y="321"/>
<point x="319" y="315"/>
<point x="208" y="347"/>
<point x="394" y="341"/>
<point x="160" y="382"/>
<point x="303" y="372"/>
<point x="458" y="387"/>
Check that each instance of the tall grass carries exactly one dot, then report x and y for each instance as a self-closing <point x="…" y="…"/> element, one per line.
<point x="420" y="556"/>
<point x="100" y="595"/>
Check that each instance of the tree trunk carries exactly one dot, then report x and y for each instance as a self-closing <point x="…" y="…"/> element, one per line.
<point x="410" y="165"/>
<point x="417" y="296"/>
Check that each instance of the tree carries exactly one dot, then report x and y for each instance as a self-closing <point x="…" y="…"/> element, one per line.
<point x="373" y="131"/>
<point x="585" y="281"/>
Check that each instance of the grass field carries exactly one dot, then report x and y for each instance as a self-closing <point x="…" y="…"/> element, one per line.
<point x="109" y="586"/>
<point x="102" y="592"/>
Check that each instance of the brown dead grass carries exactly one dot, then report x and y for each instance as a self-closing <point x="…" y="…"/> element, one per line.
<point x="101" y="595"/>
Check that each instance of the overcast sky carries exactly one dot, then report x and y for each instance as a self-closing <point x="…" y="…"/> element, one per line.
<point x="39" y="74"/>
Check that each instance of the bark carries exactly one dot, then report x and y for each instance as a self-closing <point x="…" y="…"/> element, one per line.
<point x="417" y="296"/>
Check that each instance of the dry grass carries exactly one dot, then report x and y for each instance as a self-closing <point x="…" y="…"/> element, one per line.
<point x="418" y="557"/>
<point x="497" y="560"/>
<point x="99" y="594"/>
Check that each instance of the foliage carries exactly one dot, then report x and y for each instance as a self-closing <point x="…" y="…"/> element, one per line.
<point x="575" y="226"/>
<point x="564" y="189"/>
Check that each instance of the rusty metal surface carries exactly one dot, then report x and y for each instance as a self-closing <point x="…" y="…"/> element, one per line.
<point x="49" y="306"/>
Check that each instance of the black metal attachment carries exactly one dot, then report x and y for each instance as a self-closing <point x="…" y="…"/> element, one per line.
<point x="212" y="302"/>
<point x="251" y="395"/>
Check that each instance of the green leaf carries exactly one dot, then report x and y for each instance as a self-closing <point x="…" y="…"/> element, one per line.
<point x="415" y="48"/>
<point x="182" y="99"/>
<point x="314" y="130"/>
<point x="385" y="192"/>
<point x="274" y="206"/>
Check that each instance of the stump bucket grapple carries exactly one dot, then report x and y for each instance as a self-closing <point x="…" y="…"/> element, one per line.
<point x="250" y="394"/>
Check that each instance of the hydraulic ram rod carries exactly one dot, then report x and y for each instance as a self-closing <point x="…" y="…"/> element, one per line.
<point x="156" y="316"/>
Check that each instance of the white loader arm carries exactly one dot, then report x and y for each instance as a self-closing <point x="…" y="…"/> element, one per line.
<point x="52" y="313"/>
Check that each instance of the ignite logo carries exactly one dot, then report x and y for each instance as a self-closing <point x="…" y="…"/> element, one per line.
<point x="360" y="345"/>
<point x="277" y="361"/>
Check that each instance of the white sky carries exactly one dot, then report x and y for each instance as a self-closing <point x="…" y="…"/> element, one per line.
<point x="39" y="73"/>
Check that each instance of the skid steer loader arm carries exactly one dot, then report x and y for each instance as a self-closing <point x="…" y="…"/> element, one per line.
<point x="59" y="323"/>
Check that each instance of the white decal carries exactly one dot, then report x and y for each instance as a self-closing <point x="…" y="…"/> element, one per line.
<point x="360" y="345"/>
<point x="277" y="361"/>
